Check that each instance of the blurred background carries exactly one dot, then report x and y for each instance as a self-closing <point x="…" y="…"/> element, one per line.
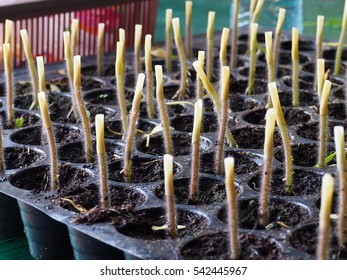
<point x="301" y="14"/>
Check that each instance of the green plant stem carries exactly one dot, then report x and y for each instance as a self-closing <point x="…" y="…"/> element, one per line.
<point x="31" y="65"/>
<point x="132" y="127"/>
<point x="319" y="44"/>
<point x="269" y="61"/>
<point x="214" y="96"/>
<point x="341" y="40"/>
<point x="82" y="109"/>
<point x="137" y="49"/>
<point x="253" y="50"/>
<point x="295" y="85"/>
<point x="223" y="49"/>
<point x="209" y="43"/>
<point x="149" y="76"/>
<point x="183" y="62"/>
<point x="188" y="35"/>
<point x="9" y="83"/>
<point x="278" y="33"/>
<point x="162" y="109"/>
<point x="168" y="40"/>
<point x="267" y="167"/>
<point x="199" y="85"/>
<point x="323" y="123"/>
<point x="339" y="138"/>
<point x="233" y="53"/>
<point x="284" y="135"/>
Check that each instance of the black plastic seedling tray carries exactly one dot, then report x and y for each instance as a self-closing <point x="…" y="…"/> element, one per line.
<point x="125" y="231"/>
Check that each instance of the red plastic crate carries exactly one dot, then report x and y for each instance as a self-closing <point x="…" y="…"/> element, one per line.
<point x="46" y="20"/>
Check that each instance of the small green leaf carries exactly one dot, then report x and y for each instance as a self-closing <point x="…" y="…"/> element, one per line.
<point x="329" y="158"/>
<point x="18" y="123"/>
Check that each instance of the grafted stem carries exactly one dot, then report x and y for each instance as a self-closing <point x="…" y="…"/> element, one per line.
<point x="233" y="52"/>
<point x="188" y="35"/>
<point x="170" y="196"/>
<point x="209" y="43"/>
<point x="100" y="48"/>
<point x="341" y="40"/>
<point x="149" y="74"/>
<point x="295" y="60"/>
<point x="278" y="33"/>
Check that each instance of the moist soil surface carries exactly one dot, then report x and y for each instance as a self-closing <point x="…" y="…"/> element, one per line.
<point x="216" y="247"/>
<point x="305" y="182"/>
<point x="19" y="157"/>
<point x="141" y="223"/>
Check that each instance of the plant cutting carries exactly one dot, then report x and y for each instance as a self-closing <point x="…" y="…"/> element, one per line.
<point x="31" y="64"/>
<point x="132" y="127"/>
<point x="267" y="168"/>
<point x="168" y="40"/>
<point x="162" y="109"/>
<point x="170" y="196"/>
<point x="6" y="50"/>
<point x="319" y="41"/>
<point x="47" y="124"/>
<point x="270" y="62"/>
<point x="199" y="85"/>
<point x="209" y="44"/>
<point x="320" y="76"/>
<point x="214" y="96"/>
<point x="137" y="49"/>
<point x="323" y="123"/>
<point x="74" y="36"/>
<point x="120" y="86"/>
<point x="254" y="15"/>
<point x="100" y="48"/>
<point x="324" y="216"/>
<point x="100" y="150"/>
<point x="188" y="35"/>
<point x="232" y="207"/>
<point x="295" y="60"/>
<point x="82" y="111"/>
<point x="278" y="33"/>
<point x="194" y="178"/>
<point x="224" y="96"/>
<point x="284" y="135"/>
<point x="121" y="32"/>
<point x="41" y="74"/>
<point x="253" y="50"/>
<point x="341" y="41"/>
<point x="233" y="52"/>
<point x="183" y="62"/>
<point x="341" y="164"/>
<point x="223" y="48"/>
<point x="149" y="75"/>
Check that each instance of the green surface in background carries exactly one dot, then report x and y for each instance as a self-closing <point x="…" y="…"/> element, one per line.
<point x="332" y="10"/>
<point x="15" y="249"/>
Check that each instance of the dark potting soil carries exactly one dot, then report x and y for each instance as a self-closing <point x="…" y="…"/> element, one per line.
<point x="181" y="144"/>
<point x="304" y="45"/>
<point x="74" y="152"/>
<point x="185" y="123"/>
<point x="245" y="162"/>
<point x="311" y="130"/>
<point x="86" y="83"/>
<point x="339" y="92"/>
<point x="75" y="198"/>
<point x="304" y="154"/>
<point x="101" y="97"/>
<point x="240" y="86"/>
<point x="33" y="135"/>
<point x="293" y="116"/>
<point x="143" y="170"/>
<point x="305" y="239"/>
<point x="282" y="214"/>
<point x="210" y="191"/>
<point x="304" y="83"/>
<point x="262" y="73"/>
<point x="329" y="65"/>
<point x="216" y="247"/>
<point x="253" y="137"/>
<point x="90" y="70"/>
<point x="305" y="182"/>
<point x="285" y="58"/>
<point x="306" y="98"/>
<point x="19" y="157"/>
<point x="140" y="224"/>
<point x="36" y="179"/>
<point x="337" y="111"/>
